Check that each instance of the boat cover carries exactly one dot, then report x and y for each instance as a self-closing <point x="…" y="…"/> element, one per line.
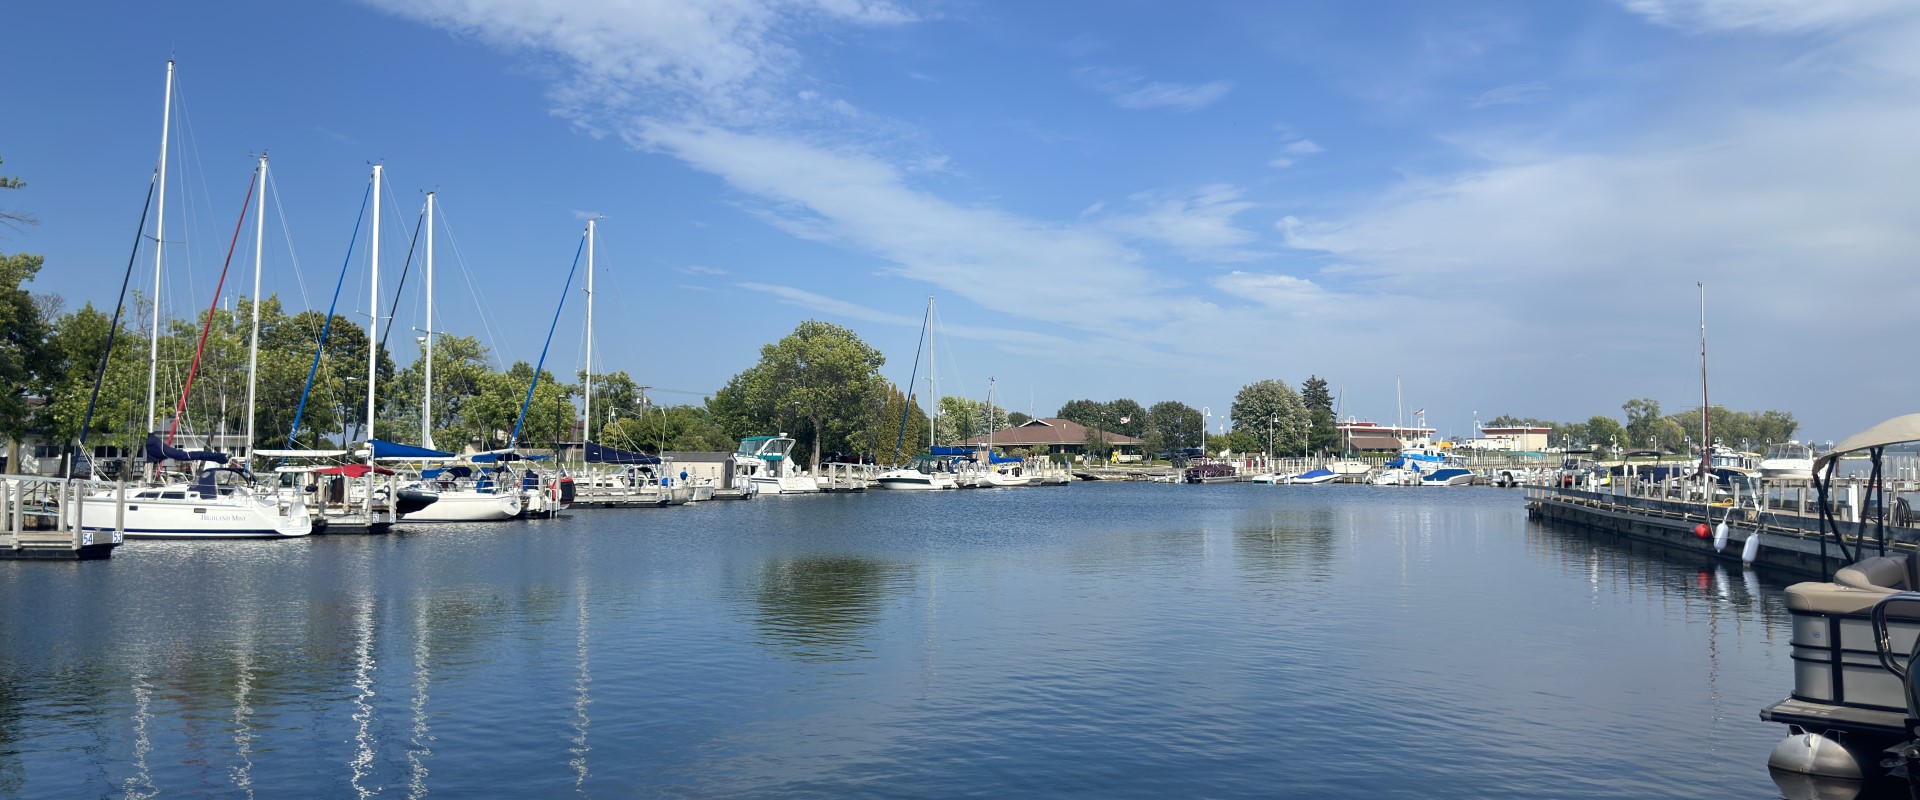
<point x="386" y="449"/>
<point x="456" y="471"/>
<point x="352" y="470"/>
<point x="1004" y="459"/>
<point x="1894" y="431"/>
<point x="602" y="454"/>
<point x="950" y="451"/>
<point x="158" y="451"/>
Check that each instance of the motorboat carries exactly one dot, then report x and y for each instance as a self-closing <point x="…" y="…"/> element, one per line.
<point x="1855" y="636"/>
<point x="776" y="473"/>
<point x="1788" y="461"/>
<point x="1396" y="476"/>
<point x="1207" y="470"/>
<point x="1447" y="475"/>
<point x="1314" y="477"/>
<point x="1350" y="471"/>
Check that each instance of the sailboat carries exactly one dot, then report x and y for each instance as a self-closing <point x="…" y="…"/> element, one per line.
<point x="460" y="494"/>
<point x="930" y="471"/>
<point x="218" y="502"/>
<point x="1002" y="471"/>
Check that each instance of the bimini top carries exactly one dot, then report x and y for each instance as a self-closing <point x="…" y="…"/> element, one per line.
<point x="498" y="456"/>
<point x="1894" y="431"/>
<point x="158" y="451"/>
<point x="352" y="470"/>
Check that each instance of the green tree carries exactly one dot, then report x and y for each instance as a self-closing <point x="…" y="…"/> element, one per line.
<point x="1172" y="426"/>
<point x="1643" y="418"/>
<point x="1127" y="417"/>
<point x="821" y="375"/>
<point x="1272" y="402"/>
<point x="682" y="427"/>
<point x="1322" y="437"/>
<point x="1091" y="413"/>
<point x="77" y="341"/>
<point x="1016" y="418"/>
<point x="25" y="357"/>
<point x="1602" y="431"/>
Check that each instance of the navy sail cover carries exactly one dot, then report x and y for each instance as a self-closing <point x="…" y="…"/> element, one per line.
<point x="385" y="449"/>
<point x="602" y="454"/>
<point x="158" y="451"/>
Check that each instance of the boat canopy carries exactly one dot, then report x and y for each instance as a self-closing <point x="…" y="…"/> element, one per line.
<point x="949" y="451"/>
<point x="158" y="451"/>
<point x="503" y="456"/>
<point x="352" y="470"/>
<point x="602" y="454"/>
<point x="1004" y="459"/>
<point x="386" y="449"/>
<point x="456" y="471"/>
<point x="1898" y="430"/>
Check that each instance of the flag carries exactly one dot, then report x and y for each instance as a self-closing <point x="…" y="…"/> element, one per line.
<point x="1125" y="420"/>
<point x="1418" y="411"/>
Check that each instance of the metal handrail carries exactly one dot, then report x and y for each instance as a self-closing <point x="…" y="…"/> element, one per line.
<point x="1882" y="638"/>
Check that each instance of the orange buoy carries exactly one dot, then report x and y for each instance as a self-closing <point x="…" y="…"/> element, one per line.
<point x="1701" y="530"/>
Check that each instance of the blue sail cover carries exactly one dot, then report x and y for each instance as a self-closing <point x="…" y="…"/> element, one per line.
<point x="503" y="456"/>
<point x="386" y="449"/>
<point x="1005" y="459"/>
<point x="602" y="454"/>
<point x="158" y="451"/>
<point x="950" y="451"/>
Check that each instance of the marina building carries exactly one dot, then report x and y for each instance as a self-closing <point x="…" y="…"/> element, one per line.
<point x="1052" y="435"/>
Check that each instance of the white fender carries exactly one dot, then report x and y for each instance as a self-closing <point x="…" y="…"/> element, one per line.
<point x="1752" y="549"/>
<point x="1720" y="537"/>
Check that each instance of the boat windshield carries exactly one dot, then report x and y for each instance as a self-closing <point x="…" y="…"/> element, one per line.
<point x="772" y="448"/>
<point x="1790" y="450"/>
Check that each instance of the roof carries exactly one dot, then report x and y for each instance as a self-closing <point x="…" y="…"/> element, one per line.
<point x="1364" y="442"/>
<point x="1894" y="431"/>
<point x="1043" y="432"/>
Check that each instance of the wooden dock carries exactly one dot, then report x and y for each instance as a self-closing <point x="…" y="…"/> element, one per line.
<point x="44" y="521"/>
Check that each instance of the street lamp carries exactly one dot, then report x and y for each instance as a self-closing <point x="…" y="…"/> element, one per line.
<point x="1206" y="415"/>
<point x="1270" y="421"/>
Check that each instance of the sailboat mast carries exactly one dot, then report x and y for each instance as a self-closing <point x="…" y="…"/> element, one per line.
<point x="253" y="342"/>
<point x="426" y="397"/>
<point x="586" y="428"/>
<point x="373" y="305"/>
<point x="159" y="240"/>
<point x="1706" y="424"/>
<point x="933" y="382"/>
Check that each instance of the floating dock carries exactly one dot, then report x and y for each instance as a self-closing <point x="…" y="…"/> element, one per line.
<point x="35" y="528"/>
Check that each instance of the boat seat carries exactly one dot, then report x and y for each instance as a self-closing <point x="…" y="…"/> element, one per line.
<point x="1854" y="590"/>
<point x="1885" y="574"/>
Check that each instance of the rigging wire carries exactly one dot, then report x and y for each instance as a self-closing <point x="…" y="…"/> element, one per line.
<point x="487" y="322"/>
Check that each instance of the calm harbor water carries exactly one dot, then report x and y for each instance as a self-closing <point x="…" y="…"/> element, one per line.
<point x="1102" y="640"/>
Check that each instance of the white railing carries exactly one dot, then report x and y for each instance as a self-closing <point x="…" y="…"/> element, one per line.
<point x="50" y="512"/>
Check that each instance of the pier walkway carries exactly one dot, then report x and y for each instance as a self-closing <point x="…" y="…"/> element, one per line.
<point x="33" y="525"/>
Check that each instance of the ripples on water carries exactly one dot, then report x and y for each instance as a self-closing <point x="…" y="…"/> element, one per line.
<point x="1102" y="640"/>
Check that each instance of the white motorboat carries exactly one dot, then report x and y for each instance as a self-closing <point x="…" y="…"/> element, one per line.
<point x="1448" y="475"/>
<point x="775" y="473"/>
<point x="1791" y="461"/>
<point x="1350" y="471"/>
<point x="1313" y="477"/>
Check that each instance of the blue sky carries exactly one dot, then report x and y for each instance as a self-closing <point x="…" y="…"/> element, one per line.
<point x="1505" y="204"/>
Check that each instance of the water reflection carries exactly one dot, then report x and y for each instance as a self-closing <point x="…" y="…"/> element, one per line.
<point x="583" y="680"/>
<point x="1282" y="547"/>
<point x="418" y="748"/>
<point x="1614" y="565"/>
<point x="820" y="608"/>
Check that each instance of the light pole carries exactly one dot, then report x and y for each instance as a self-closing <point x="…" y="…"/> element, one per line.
<point x="1206" y="415"/>
<point x="1270" y="421"/>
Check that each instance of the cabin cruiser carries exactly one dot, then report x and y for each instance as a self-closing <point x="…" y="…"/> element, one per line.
<point x="1448" y="472"/>
<point x="775" y="473"/>
<point x="932" y="471"/>
<point x="1855" y="637"/>
<point x="1789" y="461"/>
<point x="1350" y="471"/>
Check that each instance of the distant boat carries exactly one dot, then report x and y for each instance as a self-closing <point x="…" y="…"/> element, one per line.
<point x="774" y="472"/>
<point x="1350" y="471"/>
<point x="935" y="469"/>
<point x="1313" y="477"/>
<point x="1447" y="476"/>
<point x="1790" y="461"/>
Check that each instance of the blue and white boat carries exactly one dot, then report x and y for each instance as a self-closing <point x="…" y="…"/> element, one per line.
<point x="1314" y="477"/>
<point x="1447" y="473"/>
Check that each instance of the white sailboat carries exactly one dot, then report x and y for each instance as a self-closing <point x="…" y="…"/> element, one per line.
<point x="926" y="472"/>
<point x="219" y="502"/>
<point x="1004" y="474"/>
<point x="464" y="494"/>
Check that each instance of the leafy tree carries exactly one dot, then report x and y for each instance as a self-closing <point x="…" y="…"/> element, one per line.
<point x="1602" y="431"/>
<point x="1272" y="402"/>
<point x="961" y="418"/>
<point x="897" y="429"/>
<point x="682" y="427"/>
<point x="1016" y="419"/>
<point x="1643" y="417"/>
<point x="1172" y="426"/>
<point x="77" y="341"/>
<point x="25" y="358"/>
<point x="1322" y="437"/>
<point x="1090" y="413"/>
<point x="1127" y="417"/>
<point x="821" y="375"/>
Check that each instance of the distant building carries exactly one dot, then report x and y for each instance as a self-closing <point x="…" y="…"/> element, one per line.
<point x="1365" y="436"/>
<point x="1518" y="438"/>
<point x="1052" y="435"/>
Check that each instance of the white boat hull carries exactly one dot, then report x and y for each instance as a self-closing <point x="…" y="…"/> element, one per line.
<point x="249" y="517"/>
<point x="466" y="505"/>
<point x="795" y="484"/>
<point x="907" y="479"/>
<point x="1786" y="469"/>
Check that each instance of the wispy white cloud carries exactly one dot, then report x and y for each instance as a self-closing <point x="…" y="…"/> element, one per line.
<point x="1131" y="91"/>
<point x="697" y="269"/>
<point x="1764" y="15"/>
<point x="1200" y="223"/>
<point x="1291" y="152"/>
<point x="1511" y="94"/>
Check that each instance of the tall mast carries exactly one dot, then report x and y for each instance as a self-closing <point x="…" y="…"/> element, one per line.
<point x="373" y="304"/>
<point x="586" y="428"/>
<point x="426" y="397"/>
<point x="159" y="239"/>
<point x="253" y="343"/>
<point x="1706" y="426"/>
<point x="933" y="383"/>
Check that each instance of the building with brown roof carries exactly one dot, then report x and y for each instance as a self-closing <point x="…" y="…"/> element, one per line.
<point x="1051" y="435"/>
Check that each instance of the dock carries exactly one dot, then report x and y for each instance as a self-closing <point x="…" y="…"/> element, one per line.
<point x="44" y="519"/>
<point x="1789" y="529"/>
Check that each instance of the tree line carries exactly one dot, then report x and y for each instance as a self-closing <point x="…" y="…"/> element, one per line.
<point x="1646" y="428"/>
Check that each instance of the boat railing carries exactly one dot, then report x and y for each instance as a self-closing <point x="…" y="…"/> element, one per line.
<point x="1883" y="641"/>
<point x="42" y="511"/>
